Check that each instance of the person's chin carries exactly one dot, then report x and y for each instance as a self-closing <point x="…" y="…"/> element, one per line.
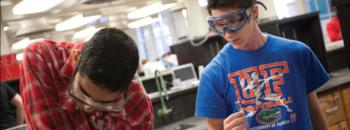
<point x="236" y="45"/>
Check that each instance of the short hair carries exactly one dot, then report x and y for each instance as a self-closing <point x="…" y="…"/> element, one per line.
<point x="224" y="4"/>
<point x="110" y="58"/>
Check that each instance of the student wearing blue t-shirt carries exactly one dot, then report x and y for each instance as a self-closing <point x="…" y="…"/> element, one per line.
<point x="258" y="81"/>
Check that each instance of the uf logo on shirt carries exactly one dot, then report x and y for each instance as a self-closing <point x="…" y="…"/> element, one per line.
<point x="259" y="82"/>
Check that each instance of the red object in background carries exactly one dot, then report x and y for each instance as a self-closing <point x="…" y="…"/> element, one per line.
<point x="9" y="67"/>
<point x="333" y="29"/>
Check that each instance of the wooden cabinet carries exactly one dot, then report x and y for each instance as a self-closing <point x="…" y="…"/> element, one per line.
<point x="335" y="104"/>
<point x="332" y="106"/>
<point x="340" y="126"/>
<point x="344" y="125"/>
<point x="346" y="99"/>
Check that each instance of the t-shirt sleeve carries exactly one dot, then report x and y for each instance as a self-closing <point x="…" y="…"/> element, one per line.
<point x="210" y="101"/>
<point x="315" y="73"/>
<point x="10" y="92"/>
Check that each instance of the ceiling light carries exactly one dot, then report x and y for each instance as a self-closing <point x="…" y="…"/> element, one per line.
<point x="34" y="6"/>
<point x="142" y="22"/>
<point x="86" y="33"/>
<point x="149" y="10"/>
<point x="76" y="22"/>
<point x="23" y="43"/>
<point x="6" y="28"/>
<point x="19" y="56"/>
<point x="203" y="3"/>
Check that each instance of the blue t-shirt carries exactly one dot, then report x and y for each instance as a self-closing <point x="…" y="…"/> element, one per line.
<point x="271" y="83"/>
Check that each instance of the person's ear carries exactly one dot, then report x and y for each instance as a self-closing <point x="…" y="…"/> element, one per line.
<point x="255" y="11"/>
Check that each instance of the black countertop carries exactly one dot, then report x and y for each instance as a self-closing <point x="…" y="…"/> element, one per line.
<point x="173" y="92"/>
<point x="192" y="123"/>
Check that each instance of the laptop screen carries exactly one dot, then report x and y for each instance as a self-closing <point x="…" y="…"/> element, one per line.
<point x="184" y="73"/>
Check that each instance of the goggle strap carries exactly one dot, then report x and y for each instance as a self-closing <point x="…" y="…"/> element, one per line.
<point x="262" y="4"/>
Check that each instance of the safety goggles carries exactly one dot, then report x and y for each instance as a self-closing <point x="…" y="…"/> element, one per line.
<point x="79" y="95"/>
<point x="231" y="22"/>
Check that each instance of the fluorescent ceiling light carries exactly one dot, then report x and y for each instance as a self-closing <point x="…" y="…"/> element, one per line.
<point x="203" y="3"/>
<point x="19" y="56"/>
<point x="34" y="6"/>
<point x="23" y="43"/>
<point x="149" y="10"/>
<point x="86" y="33"/>
<point x="6" y="28"/>
<point x="76" y="22"/>
<point x="142" y="22"/>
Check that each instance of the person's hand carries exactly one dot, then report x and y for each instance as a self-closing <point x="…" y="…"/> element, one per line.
<point x="236" y="121"/>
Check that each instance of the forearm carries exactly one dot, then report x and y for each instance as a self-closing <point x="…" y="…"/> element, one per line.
<point x="17" y="101"/>
<point x="319" y="122"/>
<point x="318" y="119"/>
<point x="20" y="115"/>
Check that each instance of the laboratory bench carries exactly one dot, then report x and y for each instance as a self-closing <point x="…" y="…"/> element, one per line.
<point x="334" y="98"/>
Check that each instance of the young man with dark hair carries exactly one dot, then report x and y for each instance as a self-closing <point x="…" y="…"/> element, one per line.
<point x="258" y="81"/>
<point x="65" y="87"/>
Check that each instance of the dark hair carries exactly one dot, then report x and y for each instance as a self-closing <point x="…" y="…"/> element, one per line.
<point x="110" y="58"/>
<point x="222" y="4"/>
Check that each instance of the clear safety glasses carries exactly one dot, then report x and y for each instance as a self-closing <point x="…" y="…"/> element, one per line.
<point x="77" y="93"/>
